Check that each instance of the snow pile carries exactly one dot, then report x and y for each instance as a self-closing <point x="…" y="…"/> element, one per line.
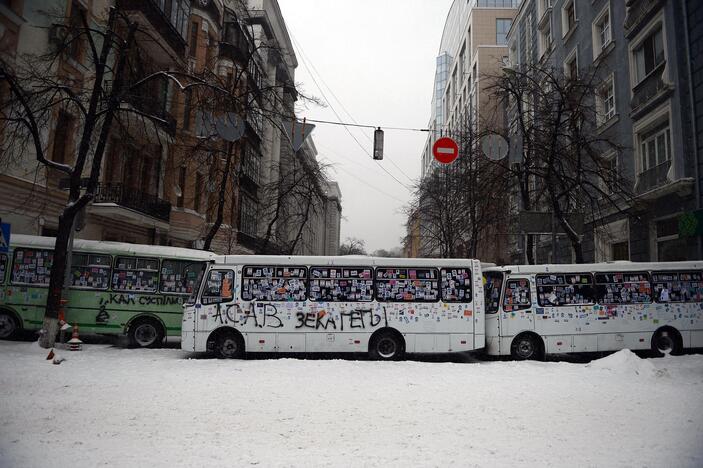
<point x="624" y="362"/>
<point x="107" y="406"/>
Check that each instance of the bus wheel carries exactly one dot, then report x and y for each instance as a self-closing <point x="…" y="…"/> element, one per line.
<point x="145" y="333"/>
<point x="526" y="347"/>
<point x="666" y="341"/>
<point x="229" y="345"/>
<point x="8" y="325"/>
<point x="386" y="346"/>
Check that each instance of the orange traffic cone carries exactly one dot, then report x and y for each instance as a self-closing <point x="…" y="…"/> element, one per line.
<point x="75" y="343"/>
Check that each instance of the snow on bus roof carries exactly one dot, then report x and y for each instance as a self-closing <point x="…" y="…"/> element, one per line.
<point x="109" y="247"/>
<point x="346" y="260"/>
<point x="615" y="266"/>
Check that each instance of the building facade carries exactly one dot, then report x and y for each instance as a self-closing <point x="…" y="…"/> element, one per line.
<point x="646" y="105"/>
<point x="159" y="183"/>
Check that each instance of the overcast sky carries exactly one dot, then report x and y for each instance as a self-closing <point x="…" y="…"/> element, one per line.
<point x="374" y="62"/>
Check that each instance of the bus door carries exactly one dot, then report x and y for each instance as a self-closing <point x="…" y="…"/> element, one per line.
<point x="517" y="313"/>
<point x="216" y="299"/>
<point x="492" y="290"/>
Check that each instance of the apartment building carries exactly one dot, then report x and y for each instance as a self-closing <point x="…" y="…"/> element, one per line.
<point x="646" y="106"/>
<point x="160" y="183"/>
<point x="472" y="51"/>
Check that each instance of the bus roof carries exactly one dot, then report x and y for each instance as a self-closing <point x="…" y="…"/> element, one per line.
<point x="607" y="266"/>
<point x="108" y="247"/>
<point x="349" y="260"/>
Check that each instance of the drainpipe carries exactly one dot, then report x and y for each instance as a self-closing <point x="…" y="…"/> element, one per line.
<point x="693" y="123"/>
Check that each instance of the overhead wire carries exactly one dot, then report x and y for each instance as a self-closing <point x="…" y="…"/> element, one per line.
<point x="302" y="56"/>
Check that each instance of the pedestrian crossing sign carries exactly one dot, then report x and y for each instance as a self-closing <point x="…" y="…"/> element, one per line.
<point x="4" y="237"/>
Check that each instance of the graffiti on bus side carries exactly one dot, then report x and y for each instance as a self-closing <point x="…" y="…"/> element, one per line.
<point x="131" y="299"/>
<point x="268" y="316"/>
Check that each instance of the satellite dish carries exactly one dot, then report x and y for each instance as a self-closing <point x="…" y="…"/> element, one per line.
<point x="494" y="146"/>
<point x="229" y="127"/>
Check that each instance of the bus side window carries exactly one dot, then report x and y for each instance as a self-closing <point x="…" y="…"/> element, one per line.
<point x="565" y="289"/>
<point x="456" y="284"/>
<point x="3" y="268"/>
<point x="32" y="266"/>
<point x="179" y="276"/>
<point x="135" y="274"/>
<point x="517" y="295"/>
<point x="672" y="286"/>
<point x="623" y="288"/>
<point x="274" y="283"/>
<point x="341" y="284"/>
<point x="492" y="290"/>
<point x="90" y="271"/>
<point x="219" y="287"/>
<point x="407" y="285"/>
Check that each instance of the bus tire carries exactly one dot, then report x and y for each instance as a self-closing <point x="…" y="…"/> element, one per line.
<point x="665" y="341"/>
<point x="387" y="345"/>
<point x="9" y="324"/>
<point x="145" y="333"/>
<point x="229" y="344"/>
<point x="527" y="346"/>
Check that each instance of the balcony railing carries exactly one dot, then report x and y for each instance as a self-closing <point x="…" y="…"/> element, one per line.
<point x="649" y="88"/>
<point x="119" y="194"/>
<point x="171" y="24"/>
<point x="153" y="106"/>
<point x="653" y="177"/>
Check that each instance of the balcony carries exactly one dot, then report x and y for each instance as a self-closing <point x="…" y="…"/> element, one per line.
<point x="153" y="106"/>
<point x="653" y="178"/>
<point x="235" y="42"/>
<point x="171" y="24"/>
<point x="126" y="197"/>
<point x="637" y="12"/>
<point x="650" y="92"/>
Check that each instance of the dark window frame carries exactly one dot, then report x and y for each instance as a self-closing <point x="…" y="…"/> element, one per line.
<point x="600" y="300"/>
<point x="564" y="283"/>
<point x="671" y="272"/>
<point x="376" y="281"/>
<point x="14" y="262"/>
<point x="115" y="269"/>
<point x="206" y="278"/>
<point x="108" y="265"/>
<point x="500" y="291"/>
<point x="470" y="286"/>
<point x="311" y="278"/>
<point x="304" y="278"/>
<point x="516" y="307"/>
<point x="188" y="263"/>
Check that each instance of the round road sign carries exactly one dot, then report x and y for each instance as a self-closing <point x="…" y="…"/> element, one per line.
<point x="445" y="150"/>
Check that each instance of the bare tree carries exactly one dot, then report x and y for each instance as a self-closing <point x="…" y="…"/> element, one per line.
<point x="558" y="161"/>
<point x="106" y="105"/>
<point x="352" y="246"/>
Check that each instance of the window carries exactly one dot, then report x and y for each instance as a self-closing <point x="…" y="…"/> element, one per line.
<point x="135" y="274"/>
<point x="648" y="55"/>
<point x="655" y="146"/>
<point x="571" y="66"/>
<point x="601" y="32"/>
<point x="673" y="286"/>
<point x="620" y="250"/>
<point x="406" y="285"/>
<point x="545" y="37"/>
<point x="194" y="28"/>
<point x="605" y="101"/>
<point x="273" y="283"/>
<point x="565" y="289"/>
<point x="623" y="288"/>
<point x="517" y="295"/>
<point x="32" y="266"/>
<point x="610" y="177"/>
<point x="528" y="39"/>
<point x="62" y="137"/>
<point x="492" y="287"/>
<point x="348" y="284"/>
<point x="456" y="284"/>
<point x="3" y="267"/>
<point x="181" y="193"/>
<point x="180" y="276"/>
<point x="90" y="271"/>
<point x="218" y="287"/>
<point x="187" y="108"/>
<point x="502" y="27"/>
<point x="568" y="17"/>
<point x="248" y="214"/>
<point x="75" y="37"/>
<point x="199" y="186"/>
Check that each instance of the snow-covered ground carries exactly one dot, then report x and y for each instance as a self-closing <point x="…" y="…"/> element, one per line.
<point x="108" y="406"/>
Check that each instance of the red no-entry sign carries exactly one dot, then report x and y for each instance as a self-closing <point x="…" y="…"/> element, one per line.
<point x="445" y="150"/>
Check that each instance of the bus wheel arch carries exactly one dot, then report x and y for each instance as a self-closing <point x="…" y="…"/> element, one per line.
<point x="387" y="344"/>
<point x="226" y="343"/>
<point x="527" y="346"/>
<point x="10" y="323"/>
<point x="146" y="331"/>
<point x="667" y="340"/>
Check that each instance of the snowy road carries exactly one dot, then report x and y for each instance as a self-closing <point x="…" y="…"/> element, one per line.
<point x="109" y="406"/>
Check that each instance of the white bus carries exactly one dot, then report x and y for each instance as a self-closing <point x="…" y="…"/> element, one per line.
<point x="534" y="310"/>
<point x="383" y="306"/>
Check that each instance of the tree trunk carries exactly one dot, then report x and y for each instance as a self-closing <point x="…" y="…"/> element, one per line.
<point x="221" y="201"/>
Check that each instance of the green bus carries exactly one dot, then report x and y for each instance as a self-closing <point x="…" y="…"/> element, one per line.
<point x="114" y="289"/>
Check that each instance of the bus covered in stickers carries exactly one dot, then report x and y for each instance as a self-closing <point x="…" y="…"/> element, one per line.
<point x="114" y="289"/>
<point x="534" y="310"/>
<point x="385" y="307"/>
